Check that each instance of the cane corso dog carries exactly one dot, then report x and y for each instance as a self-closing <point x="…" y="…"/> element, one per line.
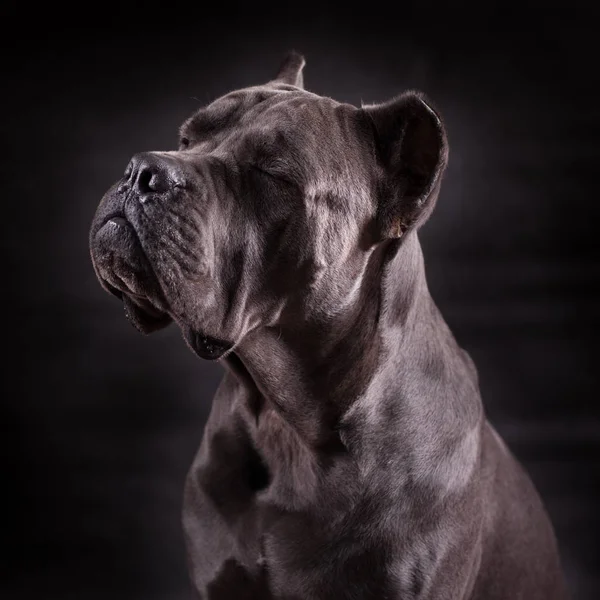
<point x="347" y="454"/>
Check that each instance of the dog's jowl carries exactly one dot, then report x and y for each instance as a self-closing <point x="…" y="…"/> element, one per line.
<point x="347" y="454"/>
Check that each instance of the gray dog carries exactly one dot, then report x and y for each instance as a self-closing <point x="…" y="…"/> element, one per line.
<point x="347" y="454"/>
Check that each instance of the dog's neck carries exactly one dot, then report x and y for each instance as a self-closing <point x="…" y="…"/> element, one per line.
<point x="314" y="377"/>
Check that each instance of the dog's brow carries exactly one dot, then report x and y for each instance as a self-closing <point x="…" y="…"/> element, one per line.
<point x="183" y="129"/>
<point x="206" y="122"/>
<point x="215" y="116"/>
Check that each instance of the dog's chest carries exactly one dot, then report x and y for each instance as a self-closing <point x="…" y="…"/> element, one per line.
<point x="242" y="547"/>
<point x="248" y="514"/>
<point x="276" y="524"/>
<point x="296" y="563"/>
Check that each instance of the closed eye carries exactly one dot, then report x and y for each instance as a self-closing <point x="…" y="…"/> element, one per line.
<point x="272" y="175"/>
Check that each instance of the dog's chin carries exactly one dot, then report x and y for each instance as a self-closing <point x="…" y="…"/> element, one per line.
<point x="139" y="311"/>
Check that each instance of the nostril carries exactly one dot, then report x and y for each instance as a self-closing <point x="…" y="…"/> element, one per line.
<point x="146" y="182"/>
<point x="150" y="176"/>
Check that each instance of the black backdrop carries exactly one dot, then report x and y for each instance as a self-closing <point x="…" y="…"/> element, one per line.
<point x="99" y="424"/>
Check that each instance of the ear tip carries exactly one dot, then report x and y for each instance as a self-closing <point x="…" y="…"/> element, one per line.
<point x="296" y="59"/>
<point x="290" y="70"/>
<point x="422" y="100"/>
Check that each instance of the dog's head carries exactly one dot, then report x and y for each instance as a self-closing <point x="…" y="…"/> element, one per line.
<point x="267" y="211"/>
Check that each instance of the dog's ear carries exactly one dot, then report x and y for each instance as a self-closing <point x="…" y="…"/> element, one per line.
<point x="290" y="71"/>
<point x="412" y="149"/>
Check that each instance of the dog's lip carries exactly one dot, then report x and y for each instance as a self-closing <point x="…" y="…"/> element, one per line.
<point x="116" y="218"/>
<point x="205" y="346"/>
<point x="112" y="289"/>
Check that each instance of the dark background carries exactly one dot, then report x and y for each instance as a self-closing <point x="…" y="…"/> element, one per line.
<point x="99" y="424"/>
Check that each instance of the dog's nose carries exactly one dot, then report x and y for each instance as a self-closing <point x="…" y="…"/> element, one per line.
<point x="150" y="174"/>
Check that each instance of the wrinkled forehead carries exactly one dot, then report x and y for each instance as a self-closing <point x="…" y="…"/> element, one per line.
<point x="312" y="133"/>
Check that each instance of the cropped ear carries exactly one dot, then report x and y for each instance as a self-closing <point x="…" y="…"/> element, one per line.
<point x="290" y="71"/>
<point x="413" y="150"/>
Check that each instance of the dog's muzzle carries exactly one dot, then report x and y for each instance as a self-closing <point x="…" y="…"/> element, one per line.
<point x="119" y="259"/>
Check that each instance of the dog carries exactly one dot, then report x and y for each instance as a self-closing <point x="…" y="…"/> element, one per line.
<point x="347" y="454"/>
